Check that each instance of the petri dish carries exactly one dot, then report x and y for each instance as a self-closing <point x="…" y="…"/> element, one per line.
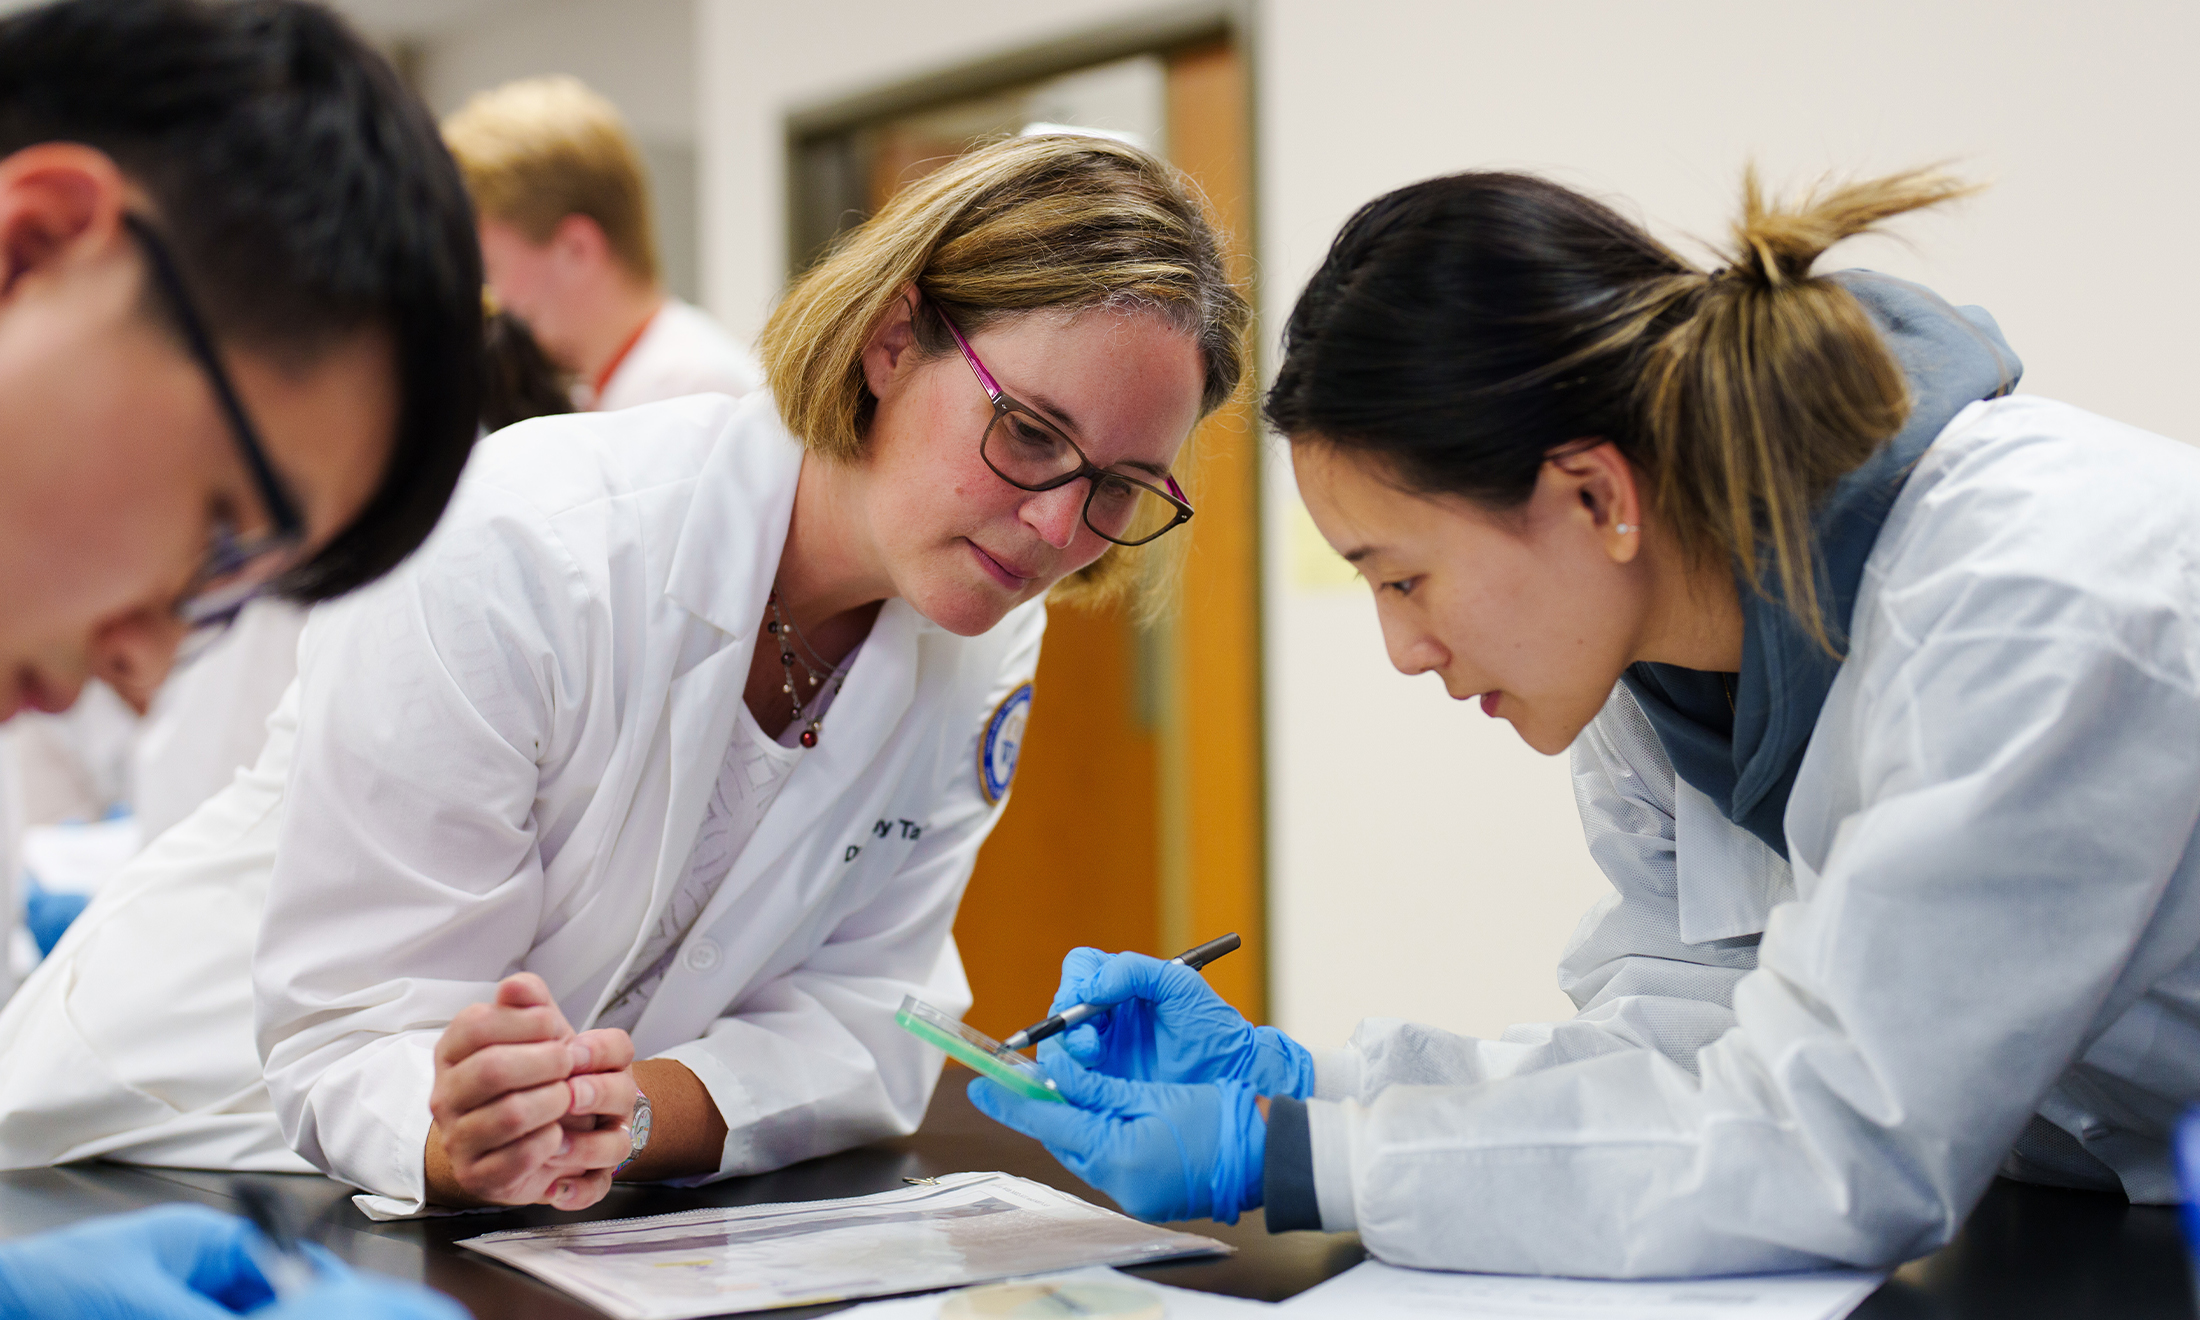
<point x="975" y="1048"/>
<point x="1070" y="1299"/>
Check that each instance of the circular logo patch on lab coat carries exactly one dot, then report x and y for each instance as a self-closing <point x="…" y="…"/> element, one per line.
<point x="1004" y="738"/>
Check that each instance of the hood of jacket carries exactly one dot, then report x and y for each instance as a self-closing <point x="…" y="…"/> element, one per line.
<point x="1739" y="738"/>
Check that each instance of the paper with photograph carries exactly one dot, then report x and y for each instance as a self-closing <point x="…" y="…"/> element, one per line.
<point x="965" y="1228"/>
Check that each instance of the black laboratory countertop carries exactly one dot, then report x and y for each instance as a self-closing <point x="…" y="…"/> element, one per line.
<point x="2026" y="1252"/>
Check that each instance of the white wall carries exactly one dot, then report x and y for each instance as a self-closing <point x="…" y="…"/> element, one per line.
<point x="1424" y="862"/>
<point x="758" y="61"/>
<point x="640" y="54"/>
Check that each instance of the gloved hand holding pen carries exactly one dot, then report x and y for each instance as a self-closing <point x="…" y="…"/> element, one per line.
<point x="1166" y="1024"/>
<point x="1163" y="1150"/>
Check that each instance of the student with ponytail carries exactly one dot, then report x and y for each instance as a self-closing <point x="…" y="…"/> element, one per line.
<point x="1881" y="686"/>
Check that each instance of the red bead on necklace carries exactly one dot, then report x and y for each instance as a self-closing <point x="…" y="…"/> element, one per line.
<point x="788" y="634"/>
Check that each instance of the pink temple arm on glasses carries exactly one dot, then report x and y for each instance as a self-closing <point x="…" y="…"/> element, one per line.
<point x="985" y="378"/>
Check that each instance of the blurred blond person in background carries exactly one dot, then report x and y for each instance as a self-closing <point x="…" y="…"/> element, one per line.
<point x="567" y="241"/>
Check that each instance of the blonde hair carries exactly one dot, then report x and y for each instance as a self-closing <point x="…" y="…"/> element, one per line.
<point x="1774" y="384"/>
<point x="1048" y="223"/>
<point x="540" y="149"/>
<point x="1465" y="329"/>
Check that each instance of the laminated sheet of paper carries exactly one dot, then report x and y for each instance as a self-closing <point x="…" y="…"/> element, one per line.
<point x="965" y="1228"/>
<point x="1377" y="1289"/>
<point x="1181" y="1303"/>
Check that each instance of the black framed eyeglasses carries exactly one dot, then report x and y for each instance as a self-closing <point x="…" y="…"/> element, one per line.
<point x="237" y="567"/>
<point x="1028" y="452"/>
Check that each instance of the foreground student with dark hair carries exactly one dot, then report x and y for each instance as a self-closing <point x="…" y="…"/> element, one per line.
<point x="239" y="327"/>
<point x="1881" y="686"/>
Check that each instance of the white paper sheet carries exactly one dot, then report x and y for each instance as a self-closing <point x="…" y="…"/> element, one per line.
<point x="966" y="1228"/>
<point x="1373" y="1289"/>
<point x="1182" y="1303"/>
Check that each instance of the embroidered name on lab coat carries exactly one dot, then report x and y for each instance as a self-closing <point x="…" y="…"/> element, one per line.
<point x="885" y="829"/>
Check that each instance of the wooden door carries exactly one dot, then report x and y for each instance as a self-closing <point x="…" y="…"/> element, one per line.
<point x="1213" y="865"/>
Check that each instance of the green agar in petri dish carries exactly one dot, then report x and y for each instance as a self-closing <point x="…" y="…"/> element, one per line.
<point x="975" y="1048"/>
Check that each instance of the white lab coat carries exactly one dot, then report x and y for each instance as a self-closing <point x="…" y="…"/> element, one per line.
<point x="11" y="902"/>
<point x="1992" y="913"/>
<point x="505" y="750"/>
<point x="133" y="1039"/>
<point x="209" y="720"/>
<point x="682" y="351"/>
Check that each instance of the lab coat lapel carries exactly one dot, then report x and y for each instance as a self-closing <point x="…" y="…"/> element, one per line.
<point x="1729" y="881"/>
<point x="736" y="525"/>
<point x="723" y="564"/>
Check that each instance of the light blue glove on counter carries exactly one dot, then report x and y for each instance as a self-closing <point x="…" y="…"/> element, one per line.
<point x="351" y="1296"/>
<point x="1166" y="1024"/>
<point x="1163" y="1150"/>
<point x="183" y="1262"/>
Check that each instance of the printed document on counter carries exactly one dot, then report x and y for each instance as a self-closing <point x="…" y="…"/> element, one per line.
<point x="965" y="1228"/>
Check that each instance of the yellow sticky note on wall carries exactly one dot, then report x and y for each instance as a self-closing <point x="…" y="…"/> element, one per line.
<point x="1314" y="566"/>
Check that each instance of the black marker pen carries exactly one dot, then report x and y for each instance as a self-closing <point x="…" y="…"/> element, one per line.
<point x="1076" y="1013"/>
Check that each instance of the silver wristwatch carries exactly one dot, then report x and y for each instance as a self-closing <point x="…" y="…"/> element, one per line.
<point x="637" y="1130"/>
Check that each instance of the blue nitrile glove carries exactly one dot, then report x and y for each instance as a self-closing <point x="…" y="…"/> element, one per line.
<point x="1166" y="1024"/>
<point x="182" y="1262"/>
<point x="48" y="912"/>
<point x="365" y="1297"/>
<point x="2187" y="1150"/>
<point x="1163" y="1150"/>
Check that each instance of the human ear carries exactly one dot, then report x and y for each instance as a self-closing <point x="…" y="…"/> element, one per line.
<point x="888" y="349"/>
<point x="1595" y="477"/>
<point x="580" y="240"/>
<point x="55" y="196"/>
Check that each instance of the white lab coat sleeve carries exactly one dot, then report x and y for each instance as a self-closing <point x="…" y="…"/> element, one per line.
<point x="812" y="1062"/>
<point x="87" y="1072"/>
<point x="11" y="901"/>
<point x="408" y="877"/>
<point x="2022" y="800"/>
<point x="1638" y="983"/>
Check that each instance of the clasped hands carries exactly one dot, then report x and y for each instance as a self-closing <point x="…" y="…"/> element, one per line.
<point x="1161" y="1089"/>
<point x="527" y="1110"/>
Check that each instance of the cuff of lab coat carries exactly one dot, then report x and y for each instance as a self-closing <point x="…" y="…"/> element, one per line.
<point x="1337" y="1075"/>
<point x="735" y="1105"/>
<point x="399" y="1166"/>
<point x="1287" y="1169"/>
<point x="1329" y="1137"/>
<point x="384" y="1209"/>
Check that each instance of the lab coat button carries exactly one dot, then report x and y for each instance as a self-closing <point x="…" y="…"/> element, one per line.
<point x="702" y="955"/>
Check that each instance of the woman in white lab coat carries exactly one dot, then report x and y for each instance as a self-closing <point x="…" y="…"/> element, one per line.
<point x="688" y="722"/>
<point x="1882" y="687"/>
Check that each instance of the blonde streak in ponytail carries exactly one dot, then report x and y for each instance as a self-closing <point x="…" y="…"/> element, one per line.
<point x="1777" y="385"/>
